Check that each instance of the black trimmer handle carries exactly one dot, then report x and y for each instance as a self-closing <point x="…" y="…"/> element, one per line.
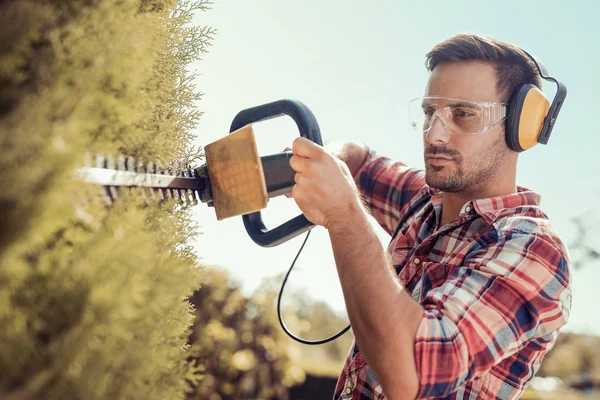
<point x="309" y="128"/>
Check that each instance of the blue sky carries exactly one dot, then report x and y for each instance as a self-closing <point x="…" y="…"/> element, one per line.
<point x="356" y="66"/>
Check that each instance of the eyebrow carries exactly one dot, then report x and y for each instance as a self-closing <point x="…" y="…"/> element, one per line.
<point x="454" y="105"/>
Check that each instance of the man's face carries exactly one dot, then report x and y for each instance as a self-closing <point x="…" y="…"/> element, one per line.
<point x="463" y="162"/>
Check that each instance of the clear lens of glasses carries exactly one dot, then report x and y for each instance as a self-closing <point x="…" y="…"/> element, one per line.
<point x="459" y="116"/>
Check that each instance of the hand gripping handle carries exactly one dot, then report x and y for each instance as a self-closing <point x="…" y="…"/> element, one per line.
<point x="309" y="128"/>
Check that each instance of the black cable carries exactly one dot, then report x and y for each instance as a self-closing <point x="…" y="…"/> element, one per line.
<point x="285" y="329"/>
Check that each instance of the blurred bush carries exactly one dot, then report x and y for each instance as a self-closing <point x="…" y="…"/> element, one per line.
<point x="237" y="344"/>
<point x="310" y="319"/>
<point x="575" y="359"/>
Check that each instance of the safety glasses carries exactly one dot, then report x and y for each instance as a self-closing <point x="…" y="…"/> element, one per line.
<point x="456" y="115"/>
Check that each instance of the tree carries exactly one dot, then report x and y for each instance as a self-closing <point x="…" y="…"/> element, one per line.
<point x="584" y="248"/>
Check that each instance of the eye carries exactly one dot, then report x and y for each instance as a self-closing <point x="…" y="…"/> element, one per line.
<point x="428" y="112"/>
<point x="463" y="113"/>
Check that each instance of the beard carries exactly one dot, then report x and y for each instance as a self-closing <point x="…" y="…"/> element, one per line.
<point x="463" y="175"/>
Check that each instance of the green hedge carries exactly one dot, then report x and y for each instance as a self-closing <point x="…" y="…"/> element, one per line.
<point x="93" y="299"/>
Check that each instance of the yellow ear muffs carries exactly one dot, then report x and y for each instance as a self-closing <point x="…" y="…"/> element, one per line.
<point x="526" y="112"/>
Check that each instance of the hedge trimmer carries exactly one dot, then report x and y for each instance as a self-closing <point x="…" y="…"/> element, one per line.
<point x="234" y="180"/>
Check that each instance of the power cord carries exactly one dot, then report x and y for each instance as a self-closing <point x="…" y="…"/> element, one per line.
<point x="279" y="315"/>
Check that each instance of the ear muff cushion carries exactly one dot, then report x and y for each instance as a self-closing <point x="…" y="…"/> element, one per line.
<point x="527" y="110"/>
<point x="514" y="116"/>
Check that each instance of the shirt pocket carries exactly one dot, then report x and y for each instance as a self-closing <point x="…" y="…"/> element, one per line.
<point x="433" y="275"/>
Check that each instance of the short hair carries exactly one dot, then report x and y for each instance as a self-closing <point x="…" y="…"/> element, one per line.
<point x="513" y="67"/>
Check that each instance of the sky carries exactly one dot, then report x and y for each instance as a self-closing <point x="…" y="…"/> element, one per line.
<point x="356" y="65"/>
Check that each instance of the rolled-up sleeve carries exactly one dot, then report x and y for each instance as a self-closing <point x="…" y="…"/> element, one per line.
<point x="387" y="187"/>
<point x="504" y="295"/>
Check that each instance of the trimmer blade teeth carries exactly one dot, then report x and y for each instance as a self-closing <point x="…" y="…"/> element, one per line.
<point x="109" y="163"/>
<point x="130" y="163"/>
<point x="162" y="194"/>
<point x="113" y="193"/>
<point x="121" y="163"/>
<point x="99" y="161"/>
<point x="187" y="194"/>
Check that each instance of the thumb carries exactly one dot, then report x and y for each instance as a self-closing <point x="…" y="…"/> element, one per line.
<point x="288" y="195"/>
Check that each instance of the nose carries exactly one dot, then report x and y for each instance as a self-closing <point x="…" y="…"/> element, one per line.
<point x="439" y="132"/>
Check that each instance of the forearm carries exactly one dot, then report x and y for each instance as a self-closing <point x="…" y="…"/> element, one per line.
<point x="384" y="317"/>
<point x="351" y="153"/>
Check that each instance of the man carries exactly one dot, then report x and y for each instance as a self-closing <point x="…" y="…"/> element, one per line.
<point x="475" y="284"/>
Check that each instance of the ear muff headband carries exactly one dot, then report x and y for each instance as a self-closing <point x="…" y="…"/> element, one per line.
<point x="530" y="115"/>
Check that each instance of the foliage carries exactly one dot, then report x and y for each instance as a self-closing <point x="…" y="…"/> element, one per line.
<point x="237" y="346"/>
<point x="92" y="299"/>
<point x="575" y="359"/>
<point x="584" y="249"/>
<point x="309" y="319"/>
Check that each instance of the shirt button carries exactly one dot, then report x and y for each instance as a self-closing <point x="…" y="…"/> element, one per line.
<point x="348" y="390"/>
<point x="417" y="261"/>
<point x="467" y="209"/>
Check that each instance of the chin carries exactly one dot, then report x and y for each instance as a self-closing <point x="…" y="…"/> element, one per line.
<point x="435" y="173"/>
<point x="442" y="180"/>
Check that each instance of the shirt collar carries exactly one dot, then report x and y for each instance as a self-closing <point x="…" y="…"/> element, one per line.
<point x="492" y="208"/>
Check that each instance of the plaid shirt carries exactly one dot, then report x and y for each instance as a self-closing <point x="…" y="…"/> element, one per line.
<point x="494" y="283"/>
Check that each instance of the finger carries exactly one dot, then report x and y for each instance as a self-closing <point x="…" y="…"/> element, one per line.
<point x="295" y="191"/>
<point x="299" y="178"/>
<point x="306" y="148"/>
<point x="299" y="164"/>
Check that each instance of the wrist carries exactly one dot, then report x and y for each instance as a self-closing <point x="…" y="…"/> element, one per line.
<point x="350" y="217"/>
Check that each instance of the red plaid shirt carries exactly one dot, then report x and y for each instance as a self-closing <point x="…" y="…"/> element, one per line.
<point x="494" y="283"/>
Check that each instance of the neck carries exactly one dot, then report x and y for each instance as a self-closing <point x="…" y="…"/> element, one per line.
<point x="493" y="187"/>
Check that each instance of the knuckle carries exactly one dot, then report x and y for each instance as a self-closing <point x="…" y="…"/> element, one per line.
<point x="322" y="154"/>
